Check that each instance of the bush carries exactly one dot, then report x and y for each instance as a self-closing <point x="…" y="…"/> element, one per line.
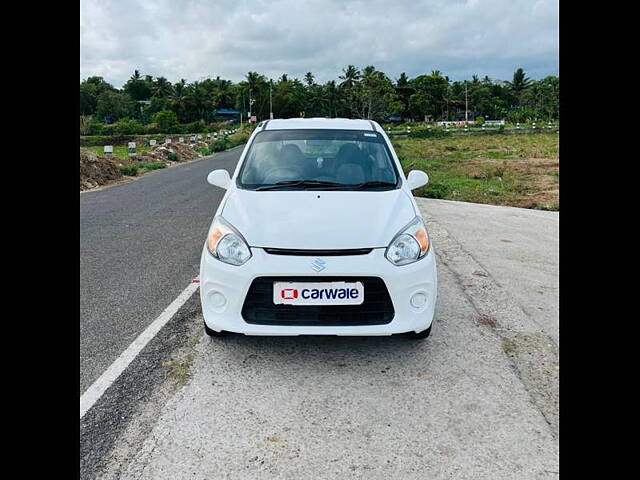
<point x="203" y="150"/>
<point x="129" y="170"/>
<point x="128" y="126"/>
<point x="166" y="120"/>
<point x="171" y="156"/>
<point x="195" y="127"/>
<point x="437" y="190"/>
<point x="95" y="128"/>
<point x="480" y="121"/>
<point x="436" y="132"/>
<point x="151" y="165"/>
<point x="220" y="145"/>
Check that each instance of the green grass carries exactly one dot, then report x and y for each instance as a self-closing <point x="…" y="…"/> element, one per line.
<point x="151" y="165"/>
<point x="134" y="169"/>
<point x="517" y="170"/>
<point x="120" y="151"/>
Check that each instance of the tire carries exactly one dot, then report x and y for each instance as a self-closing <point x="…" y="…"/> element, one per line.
<point x="212" y="333"/>
<point x="422" y="334"/>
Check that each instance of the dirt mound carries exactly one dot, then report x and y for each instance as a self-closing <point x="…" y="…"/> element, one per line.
<point x="160" y="153"/>
<point x="96" y="170"/>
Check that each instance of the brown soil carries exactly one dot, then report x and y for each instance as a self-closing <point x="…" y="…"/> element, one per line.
<point x="96" y="170"/>
<point x="159" y="153"/>
<point x="535" y="179"/>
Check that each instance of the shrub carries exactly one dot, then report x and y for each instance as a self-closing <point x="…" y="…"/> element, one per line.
<point x="437" y="190"/>
<point x="220" y="145"/>
<point x="129" y="170"/>
<point x="172" y="157"/>
<point x="430" y="133"/>
<point x="128" y="126"/>
<point x="203" y="150"/>
<point x="166" y="120"/>
<point x="95" y="128"/>
<point x="151" y="165"/>
<point x="480" y="121"/>
<point x="195" y="127"/>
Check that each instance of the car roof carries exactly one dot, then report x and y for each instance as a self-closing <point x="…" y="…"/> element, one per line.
<point x="319" y="123"/>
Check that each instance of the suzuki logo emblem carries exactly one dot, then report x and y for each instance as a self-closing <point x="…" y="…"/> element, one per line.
<point x="318" y="265"/>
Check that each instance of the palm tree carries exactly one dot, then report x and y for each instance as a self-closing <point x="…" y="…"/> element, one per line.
<point x="331" y="95"/>
<point x="162" y="88"/>
<point x="309" y="79"/>
<point x="179" y="97"/>
<point x="350" y="75"/>
<point x="520" y="82"/>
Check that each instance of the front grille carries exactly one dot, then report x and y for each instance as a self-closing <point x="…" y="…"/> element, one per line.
<point x="317" y="253"/>
<point x="376" y="309"/>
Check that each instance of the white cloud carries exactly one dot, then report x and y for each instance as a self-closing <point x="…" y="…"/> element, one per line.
<point x="192" y="39"/>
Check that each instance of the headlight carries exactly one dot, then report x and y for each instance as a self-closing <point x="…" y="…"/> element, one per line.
<point x="226" y="244"/>
<point x="409" y="245"/>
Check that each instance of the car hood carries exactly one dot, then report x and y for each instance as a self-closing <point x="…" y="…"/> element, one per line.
<point x="318" y="219"/>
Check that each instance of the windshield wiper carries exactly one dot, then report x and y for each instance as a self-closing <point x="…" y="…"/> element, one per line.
<point x="371" y="184"/>
<point x="300" y="183"/>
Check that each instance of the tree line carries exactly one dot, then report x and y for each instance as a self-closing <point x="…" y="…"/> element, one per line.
<point x="357" y="93"/>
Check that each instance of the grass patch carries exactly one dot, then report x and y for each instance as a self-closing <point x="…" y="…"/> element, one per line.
<point x="179" y="370"/>
<point x="151" y="165"/>
<point x="516" y="170"/>
<point x="129" y="170"/>
<point x="120" y="151"/>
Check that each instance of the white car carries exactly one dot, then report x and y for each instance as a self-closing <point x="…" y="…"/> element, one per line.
<point x="318" y="234"/>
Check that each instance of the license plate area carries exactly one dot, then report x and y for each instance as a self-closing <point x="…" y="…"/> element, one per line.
<point x="318" y="293"/>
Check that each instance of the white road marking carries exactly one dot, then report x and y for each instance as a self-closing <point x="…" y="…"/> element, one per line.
<point x="111" y="374"/>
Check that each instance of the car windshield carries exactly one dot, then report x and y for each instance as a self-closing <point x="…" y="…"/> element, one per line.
<point x="318" y="160"/>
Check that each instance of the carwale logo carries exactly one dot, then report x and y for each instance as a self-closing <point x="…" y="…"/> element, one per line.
<point x="318" y="265"/>
<point x="289" y="293"/>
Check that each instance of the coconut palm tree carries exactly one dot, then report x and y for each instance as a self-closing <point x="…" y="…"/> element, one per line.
<point x="350" y="75"/>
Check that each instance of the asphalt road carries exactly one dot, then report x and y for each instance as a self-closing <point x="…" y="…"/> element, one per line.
<point x="140" y="245"/>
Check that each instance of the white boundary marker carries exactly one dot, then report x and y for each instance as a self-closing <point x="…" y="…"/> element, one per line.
<point x="111" y="374"/>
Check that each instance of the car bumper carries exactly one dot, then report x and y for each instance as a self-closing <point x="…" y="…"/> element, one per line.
<point x="233" y="282"/>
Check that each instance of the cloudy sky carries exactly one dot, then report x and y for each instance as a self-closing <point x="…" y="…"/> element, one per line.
<point x="194" y="39"/>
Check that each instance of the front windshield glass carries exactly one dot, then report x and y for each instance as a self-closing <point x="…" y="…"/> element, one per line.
<point x="318" y="160"/>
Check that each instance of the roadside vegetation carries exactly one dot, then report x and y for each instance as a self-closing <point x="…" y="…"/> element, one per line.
<point x="120" y="151"/>
<point x="147" y="105"/>
<point x="497" y="169"/>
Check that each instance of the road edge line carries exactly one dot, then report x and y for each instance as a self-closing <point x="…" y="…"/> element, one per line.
<point x="89" y="398"/>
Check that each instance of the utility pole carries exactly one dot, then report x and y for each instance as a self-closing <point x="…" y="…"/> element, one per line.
<point x="466" y="103"/>
<point x="241" y="108"/>
<point x="270" y="102"/>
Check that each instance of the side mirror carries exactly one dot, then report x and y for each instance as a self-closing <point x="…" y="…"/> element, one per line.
<point x="416" y="179"/>
<point x="219" y="178"/>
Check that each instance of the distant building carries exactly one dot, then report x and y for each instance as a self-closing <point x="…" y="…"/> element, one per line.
<point x="227" y="114"/>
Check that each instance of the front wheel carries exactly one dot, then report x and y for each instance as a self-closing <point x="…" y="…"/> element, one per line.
<point x="422" y="334"/>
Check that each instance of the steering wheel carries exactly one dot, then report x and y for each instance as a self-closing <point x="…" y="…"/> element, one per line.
<point x="278" y="174"/>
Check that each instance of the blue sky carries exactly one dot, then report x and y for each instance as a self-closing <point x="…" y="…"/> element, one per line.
<point x="194" y="39"/>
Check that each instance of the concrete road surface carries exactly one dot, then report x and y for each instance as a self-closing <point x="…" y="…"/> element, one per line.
<point x="478" y="399"/>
